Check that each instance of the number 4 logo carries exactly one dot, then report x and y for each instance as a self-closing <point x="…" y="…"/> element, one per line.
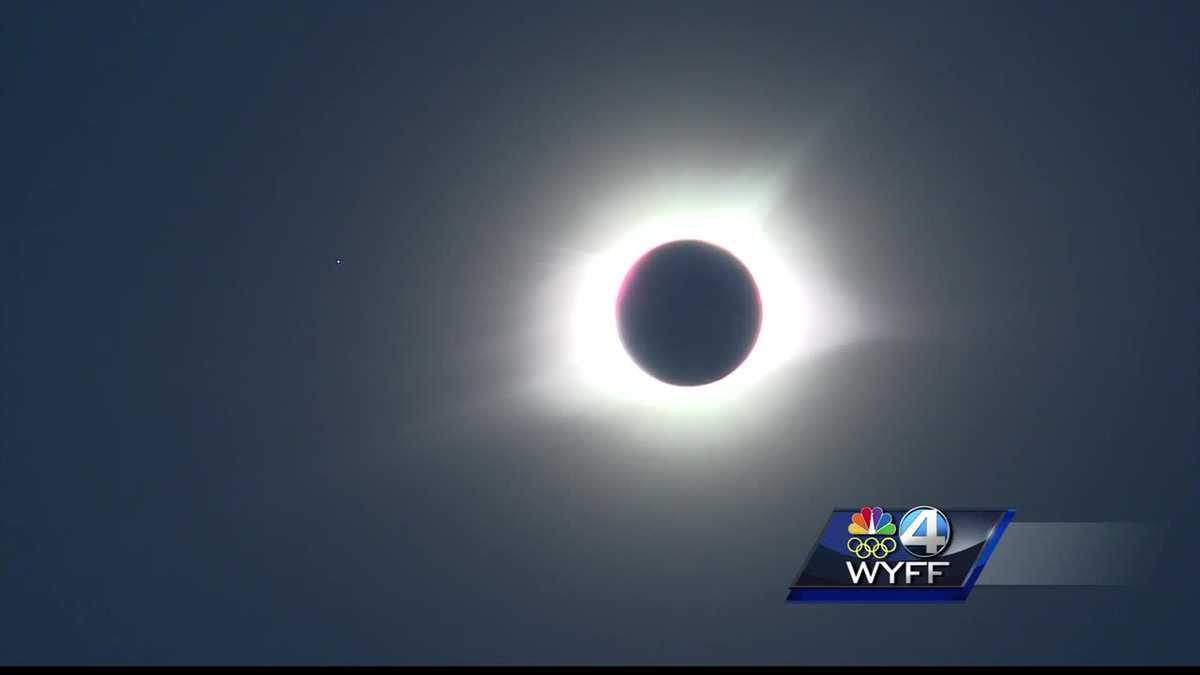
<point x="924" y="531"/>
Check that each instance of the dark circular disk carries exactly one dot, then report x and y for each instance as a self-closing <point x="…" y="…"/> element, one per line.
<point x="688" y="312"/>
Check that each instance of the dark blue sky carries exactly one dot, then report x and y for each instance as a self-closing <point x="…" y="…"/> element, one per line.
<point x="218" y="446"/>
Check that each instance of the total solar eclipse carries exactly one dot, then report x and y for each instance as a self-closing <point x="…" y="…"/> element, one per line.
<point x="688" y="312"/>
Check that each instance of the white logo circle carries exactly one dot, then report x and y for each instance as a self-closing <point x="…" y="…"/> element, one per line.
<point x="925" y="531"/>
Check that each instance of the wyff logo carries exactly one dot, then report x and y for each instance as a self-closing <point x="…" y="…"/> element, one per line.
<point x="923" y="529"/>
<point x="871" y="555"/>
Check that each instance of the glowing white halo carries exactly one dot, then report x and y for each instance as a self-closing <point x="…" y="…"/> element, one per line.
<point x="602" y="359"/>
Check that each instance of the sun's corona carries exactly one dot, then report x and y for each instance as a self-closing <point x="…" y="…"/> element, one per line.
<point x="603" y="360"/>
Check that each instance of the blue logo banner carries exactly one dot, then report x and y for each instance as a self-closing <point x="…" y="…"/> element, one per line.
<point x="911" y="554"/>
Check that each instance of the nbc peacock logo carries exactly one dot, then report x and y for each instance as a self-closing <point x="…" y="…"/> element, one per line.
<point x="872" y="530"/>
<point x="872" y="521"/>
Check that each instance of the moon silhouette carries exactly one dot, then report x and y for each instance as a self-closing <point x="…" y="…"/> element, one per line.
<point x="688" y="313"/>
